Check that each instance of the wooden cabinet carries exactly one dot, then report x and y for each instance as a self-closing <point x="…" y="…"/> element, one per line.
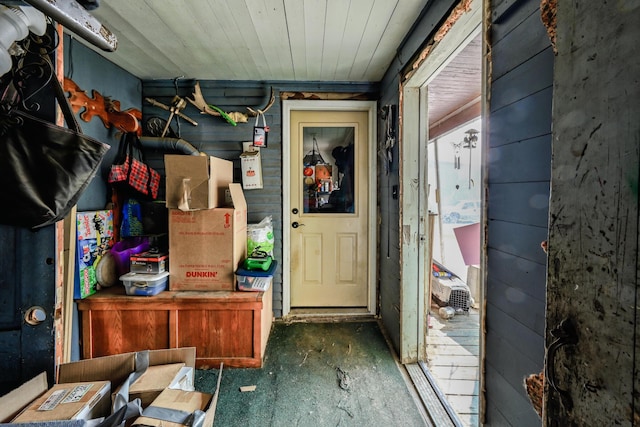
<point x="225" y="326"/>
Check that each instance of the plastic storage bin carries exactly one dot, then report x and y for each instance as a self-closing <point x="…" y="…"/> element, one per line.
<point x="143" y="284"/>
<point x="255" y="280"/>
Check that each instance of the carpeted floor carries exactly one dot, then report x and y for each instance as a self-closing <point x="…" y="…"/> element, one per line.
<point x="317" y="374"/>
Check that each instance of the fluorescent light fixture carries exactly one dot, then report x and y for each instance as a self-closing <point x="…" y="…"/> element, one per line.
<point x="71" y="15"/>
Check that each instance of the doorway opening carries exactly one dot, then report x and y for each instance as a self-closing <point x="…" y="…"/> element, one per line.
<point x="442" y="128"/>
<point x="453" y="333"/>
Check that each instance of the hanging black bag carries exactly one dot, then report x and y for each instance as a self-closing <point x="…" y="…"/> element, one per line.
<point x="44" y="168"/>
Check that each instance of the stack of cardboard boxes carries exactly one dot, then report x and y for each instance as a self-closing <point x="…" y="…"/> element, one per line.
<point x="207" y="243"/>
<point x="88" y="392"/>
<point x="207" y="223"/>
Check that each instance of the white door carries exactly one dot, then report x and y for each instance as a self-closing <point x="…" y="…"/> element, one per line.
<point x="329" y="209"/>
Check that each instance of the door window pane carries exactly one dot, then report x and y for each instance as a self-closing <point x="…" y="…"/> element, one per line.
<point x="328" y="169"/>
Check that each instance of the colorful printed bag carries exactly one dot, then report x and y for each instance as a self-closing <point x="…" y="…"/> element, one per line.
<point x="130" y="168"/>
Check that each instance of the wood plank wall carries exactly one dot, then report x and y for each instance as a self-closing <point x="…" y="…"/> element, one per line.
<point x="519" y="158"/>
<point x="216" y="137"/>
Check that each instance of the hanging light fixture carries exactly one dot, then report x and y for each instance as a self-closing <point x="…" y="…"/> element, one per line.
<point x="313" y="157"/>
<point x="471" y="139"/>
<point x="470" y="142"/>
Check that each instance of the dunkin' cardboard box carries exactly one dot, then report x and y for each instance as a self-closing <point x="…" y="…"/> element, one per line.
<point x="196" y="182"/>
<point x="206" y="246"/>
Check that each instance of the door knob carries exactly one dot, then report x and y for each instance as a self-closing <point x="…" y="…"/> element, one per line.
<point x="35" y="315"/>
<point x="295" y="224"/>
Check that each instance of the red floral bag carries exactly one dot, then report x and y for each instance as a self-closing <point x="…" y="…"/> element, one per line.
<point x="131" y="169"/>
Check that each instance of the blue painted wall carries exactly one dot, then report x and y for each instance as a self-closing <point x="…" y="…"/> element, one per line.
<point x="519" y="174"/>
<point x="519" y="153"/>
<point x="389" y="233"/>
<point x="91" y="72"/>
<point x="215" y="137"/>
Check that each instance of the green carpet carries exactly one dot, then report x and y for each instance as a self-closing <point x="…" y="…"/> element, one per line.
<point x="316" y="374"/>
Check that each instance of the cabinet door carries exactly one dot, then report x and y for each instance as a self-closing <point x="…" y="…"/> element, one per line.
<point x="121" y="331"/>
<point x="218" y="333"/>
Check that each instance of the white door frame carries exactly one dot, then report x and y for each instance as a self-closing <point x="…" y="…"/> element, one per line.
<point x="304" y="105"/>
<point x="413" y="159"/>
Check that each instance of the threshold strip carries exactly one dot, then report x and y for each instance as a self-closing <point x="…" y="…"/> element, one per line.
<point x="436" y="413"/>
<point x="453" y="416"/>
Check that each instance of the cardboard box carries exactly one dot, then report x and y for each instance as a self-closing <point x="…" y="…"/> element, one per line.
<point x="207" y="246"/>
<point x="183" y="402"/>
<point x="69" y="401"/>
<point x="95" y="238"/>
<point x="251" y="164"/>
<point x="115" y="369"/>
<point x="154" y="380"/>
<point x="149" y="262"/>
<point x="196" y="182"/>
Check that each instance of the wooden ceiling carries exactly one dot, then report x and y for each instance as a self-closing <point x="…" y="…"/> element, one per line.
<point x="454" y="94"/>
<point x="282" y="40"/>
<point x="288" y="40"/>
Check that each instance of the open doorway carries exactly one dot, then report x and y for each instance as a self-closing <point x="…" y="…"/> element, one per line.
<point x="442" y="128"/>
<point x="453" y="333"/>
<point x="454" y="183"/>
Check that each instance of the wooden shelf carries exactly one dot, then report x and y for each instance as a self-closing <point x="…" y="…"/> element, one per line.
<point x="225" y="326"/>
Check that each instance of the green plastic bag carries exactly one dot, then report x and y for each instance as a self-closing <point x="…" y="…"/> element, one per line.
<point x="260" y="237"/>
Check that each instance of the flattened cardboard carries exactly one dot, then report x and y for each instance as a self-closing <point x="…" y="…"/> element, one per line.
<point x="196" y="182"/>
<point x="114" y="368"/>
<point x="13" y="402"/>
<point x="153" y="381"/>
<point x="186" y="401"/>
<point x="206" y="246"/>
<point x="117" y="368"/>
<point x="70" y="401"/>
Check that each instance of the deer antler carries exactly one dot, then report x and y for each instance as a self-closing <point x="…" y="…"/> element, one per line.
<point x="272" y="99"/>
<point x="231" y="117"/>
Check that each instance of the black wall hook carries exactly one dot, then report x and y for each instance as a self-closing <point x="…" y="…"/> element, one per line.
<point x="565" y="334"/>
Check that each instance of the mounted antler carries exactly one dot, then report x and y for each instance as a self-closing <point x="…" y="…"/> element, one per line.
<point x="272" y="99"/>
<point x="233" y="117"/>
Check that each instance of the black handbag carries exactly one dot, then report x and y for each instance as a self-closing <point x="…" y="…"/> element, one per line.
<point x="44" y="168"/>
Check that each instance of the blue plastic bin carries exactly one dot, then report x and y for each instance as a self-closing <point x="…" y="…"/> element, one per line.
<point x="255" y="280"/>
